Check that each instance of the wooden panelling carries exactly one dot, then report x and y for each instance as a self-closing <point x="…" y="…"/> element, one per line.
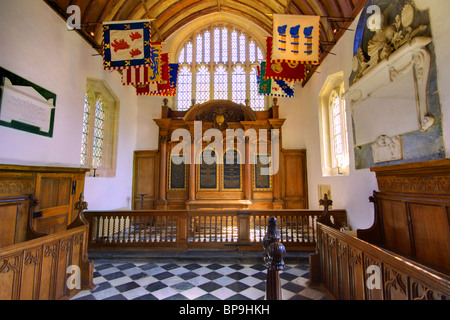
<point x="395" y="221"/>
<point x="37" y="269"/>
<point x="55" y="189"/>
<point x="431" y="239"/>
<point x="412" y="212"/>
<point x="14" y="215"/>
<point x="352" y="269"/>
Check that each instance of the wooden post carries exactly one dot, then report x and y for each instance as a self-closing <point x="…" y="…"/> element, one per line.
<point x="192" y="172"/>
<point x="247" y="171"/>
<point x="274" y="253"/>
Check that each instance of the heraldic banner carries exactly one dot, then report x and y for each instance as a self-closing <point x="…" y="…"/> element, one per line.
<point x="126" y="44"/>
<point x="141" y="75"/>
<point x="296" y="38"/>
<point x="274" y="87"/>
<point x="289" y="71"/>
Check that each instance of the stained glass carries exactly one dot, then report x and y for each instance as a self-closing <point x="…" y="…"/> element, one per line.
<point x="234" y="46"/>
<point x="98" y="134"/>
<point x="216" y="45"/>
<point x="184" y="89"/>
<point x="221" y="83"/>
<point x="260" y="54"/>
<point x="207" y="47"/>
<point x="219" y="44"/>
<point x="202" y="88"/>
<point x="181" y="58"/>
<point x="256" y="99"/>
<point x="242" y="47"/>
<point x="224" y="45"/>
<point x="199" y="49"/>
<point x="252" y="51"/>
<point x="84" y="137"/>
<point x="336" y="129"/>
<point x="239" y="85"/>
<point x="189" y="53"/>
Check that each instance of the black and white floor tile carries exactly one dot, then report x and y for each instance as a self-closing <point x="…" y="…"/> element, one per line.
<point x="194" y="281"/>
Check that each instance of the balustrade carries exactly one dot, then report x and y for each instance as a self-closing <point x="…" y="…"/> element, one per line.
<point x="203" y="229"/>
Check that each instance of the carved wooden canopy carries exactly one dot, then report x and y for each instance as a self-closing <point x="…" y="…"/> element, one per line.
<point x="219" y="114"/>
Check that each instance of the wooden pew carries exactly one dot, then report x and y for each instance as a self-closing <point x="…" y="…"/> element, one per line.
<point x="405" y="254"/>
<point x="35" y="266"/>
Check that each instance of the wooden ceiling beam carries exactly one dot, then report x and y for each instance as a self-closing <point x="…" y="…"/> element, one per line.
<point x="115" y="7"/>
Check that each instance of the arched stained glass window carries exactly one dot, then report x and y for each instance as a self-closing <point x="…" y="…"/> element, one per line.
<point x="219" y="62"/>
<point x="203" y="84"/>
<point x="221" y="83"/>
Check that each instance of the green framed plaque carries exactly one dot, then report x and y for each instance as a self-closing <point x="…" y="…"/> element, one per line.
<point x="26" y="106"/>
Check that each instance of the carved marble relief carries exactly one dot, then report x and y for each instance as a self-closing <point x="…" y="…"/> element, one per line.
<point x="393" y="94"/>
<point x="387" y="149"/>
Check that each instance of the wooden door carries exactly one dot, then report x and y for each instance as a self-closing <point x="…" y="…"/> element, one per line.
<point x="54" y="192"/>
<point x="145" y="179"/>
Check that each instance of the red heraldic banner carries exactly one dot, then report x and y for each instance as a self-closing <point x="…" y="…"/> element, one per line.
<point x="289" y="71"/>
<point x="126" y="44"/>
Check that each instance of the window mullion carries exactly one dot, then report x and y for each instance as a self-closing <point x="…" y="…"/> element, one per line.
<point x="194" y="67"/>
<point x="211" y="63"/>
<point x="230" y="65"/>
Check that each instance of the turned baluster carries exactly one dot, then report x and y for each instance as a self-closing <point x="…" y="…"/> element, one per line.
<point x="274" y="251"/>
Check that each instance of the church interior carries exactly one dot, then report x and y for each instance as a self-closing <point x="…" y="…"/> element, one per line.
<point x="219" y="155"/>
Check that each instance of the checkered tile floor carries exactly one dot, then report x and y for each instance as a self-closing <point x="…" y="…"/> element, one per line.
<point x="194" y="281"/>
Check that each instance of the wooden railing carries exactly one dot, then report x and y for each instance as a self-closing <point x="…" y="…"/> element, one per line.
<point x="202" y="229"/>
<point x="351" y="269"/>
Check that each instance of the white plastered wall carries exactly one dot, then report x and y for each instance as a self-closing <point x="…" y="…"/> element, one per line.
<point x="36" y="45"/>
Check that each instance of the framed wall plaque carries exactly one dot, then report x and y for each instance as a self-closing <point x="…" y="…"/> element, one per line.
<point x="261" y="182"/>
<point x="177" y="175"/>
<point x="26" y="106"/>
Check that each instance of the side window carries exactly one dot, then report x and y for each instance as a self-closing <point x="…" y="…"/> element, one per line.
<point x="333" y="126"/>
<point x="99" y="134"/>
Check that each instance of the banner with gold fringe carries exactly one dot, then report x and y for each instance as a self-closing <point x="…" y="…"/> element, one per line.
<point x="274" y="87"/>
<point x="145" y="89"/>
<point x="296" y="38"/>
<point x="168" y="89"/>
<point x="140" y="75"/>
<point x="126" y="44"/>
<point x="281" y="70"/>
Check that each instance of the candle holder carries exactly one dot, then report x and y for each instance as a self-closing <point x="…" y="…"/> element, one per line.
<point x="94" y="175"/>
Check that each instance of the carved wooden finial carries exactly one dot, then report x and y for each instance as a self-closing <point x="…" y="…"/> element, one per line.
<point x="325" y="217"/>
<point x="326" y="202"/>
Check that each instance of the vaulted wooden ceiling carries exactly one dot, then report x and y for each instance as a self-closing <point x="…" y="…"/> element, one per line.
<point x="170" y="15"/>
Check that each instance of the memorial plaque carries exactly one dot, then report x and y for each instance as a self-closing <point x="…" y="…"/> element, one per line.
<point x="261" y="182"/>
<point x="232" y="172"/>
<point x="177" y="176"/>
<point x="208" y="175"/>
<point x="26" y="106"/>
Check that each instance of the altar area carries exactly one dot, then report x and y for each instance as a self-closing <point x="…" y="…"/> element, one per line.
<point x="255" y="179"/>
